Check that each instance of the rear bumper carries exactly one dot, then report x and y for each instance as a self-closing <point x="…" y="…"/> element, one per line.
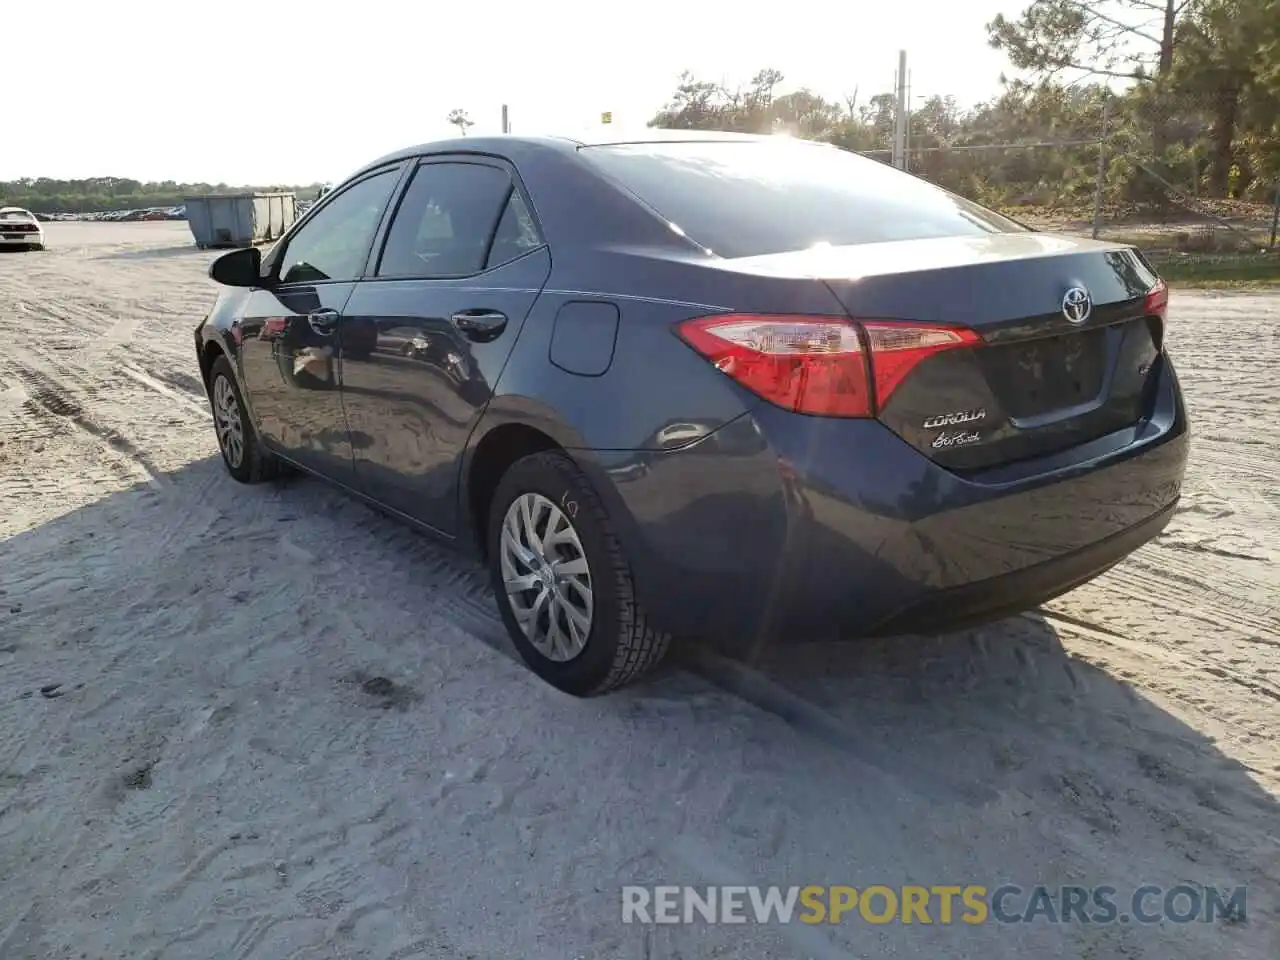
<point x="786" y="527"/>
<point x="26" y="240"/>
<point x="1010" y="593"/>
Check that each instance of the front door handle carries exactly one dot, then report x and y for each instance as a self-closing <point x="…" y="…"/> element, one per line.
<point x="323" y="321"/>
<point x="480" y="326"/>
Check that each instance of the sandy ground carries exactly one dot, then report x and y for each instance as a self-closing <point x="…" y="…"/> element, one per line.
<point x="285" y="727"/>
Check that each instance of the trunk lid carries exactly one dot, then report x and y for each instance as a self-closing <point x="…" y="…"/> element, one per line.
<point x="1039" y="382"/>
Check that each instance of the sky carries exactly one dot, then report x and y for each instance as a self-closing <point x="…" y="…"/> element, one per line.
<point x="284" y="91"/>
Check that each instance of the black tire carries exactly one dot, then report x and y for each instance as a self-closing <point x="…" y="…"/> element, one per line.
<point x="621" y="644"/>
<point x="256" y="464"/>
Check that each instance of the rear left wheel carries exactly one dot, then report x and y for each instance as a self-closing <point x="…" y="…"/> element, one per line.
<point x="563" y="585"/>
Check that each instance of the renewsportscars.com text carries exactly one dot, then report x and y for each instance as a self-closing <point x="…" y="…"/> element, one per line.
<point x="940" y="904"/>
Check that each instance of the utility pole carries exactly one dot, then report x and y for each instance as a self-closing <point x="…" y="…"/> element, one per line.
<point x="900" y="114"/>
<point x="1102" y="168"/>
<point x="506" y="123"/>
<point x="1275" y="216"/>
<point x="906" y="129"/>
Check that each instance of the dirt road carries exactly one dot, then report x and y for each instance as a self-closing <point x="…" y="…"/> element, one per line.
<point x="267" y="723"/>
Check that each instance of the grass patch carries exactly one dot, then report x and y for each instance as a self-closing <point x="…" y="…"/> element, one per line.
<point x="1221" y="271"/>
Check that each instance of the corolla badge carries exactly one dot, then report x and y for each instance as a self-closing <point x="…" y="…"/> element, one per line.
<point x="1077" y="304"/>
<point x="953" y="419"/>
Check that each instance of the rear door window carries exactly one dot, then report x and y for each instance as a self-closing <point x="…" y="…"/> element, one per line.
<point x="454" y="220"/>
<point x="517" y="234"/>
<point x="749" y="198"/>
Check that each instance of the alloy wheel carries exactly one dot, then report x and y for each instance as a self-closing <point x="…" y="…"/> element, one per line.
<point x="547" y="577"/>
<point x="227" y="422"/>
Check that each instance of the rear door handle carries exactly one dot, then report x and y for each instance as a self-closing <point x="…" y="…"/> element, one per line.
<point x="480" y="326"/>
<point x="323" y="321"/>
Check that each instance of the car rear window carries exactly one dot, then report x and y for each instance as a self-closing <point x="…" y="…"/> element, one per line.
<point x="749" y="198"/>
<point x="14" y="215"/>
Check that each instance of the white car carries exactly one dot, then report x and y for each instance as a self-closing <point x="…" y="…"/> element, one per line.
<point x="20" y="228"/>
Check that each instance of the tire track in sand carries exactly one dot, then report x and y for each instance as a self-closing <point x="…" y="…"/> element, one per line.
<point x="50" y="402"/>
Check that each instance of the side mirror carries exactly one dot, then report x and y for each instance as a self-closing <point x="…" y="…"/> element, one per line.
<point x="239" y="268"/>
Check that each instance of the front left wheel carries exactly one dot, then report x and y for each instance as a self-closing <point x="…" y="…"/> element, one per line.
<point x="246" y="459"/>
<point x="563" y="584"/>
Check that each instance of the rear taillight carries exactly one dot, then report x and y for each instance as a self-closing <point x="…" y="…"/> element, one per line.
<point x="806" y="364"/>
<point x="1157" y="302"/>
<point x="897" y="349"/>
<point x="823" y="366"/>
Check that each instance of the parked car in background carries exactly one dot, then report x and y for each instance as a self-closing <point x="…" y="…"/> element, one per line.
<point x="741" y="388"/>
<point x="20" y="229"/>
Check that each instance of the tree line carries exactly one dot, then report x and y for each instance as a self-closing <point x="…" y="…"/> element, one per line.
<point x="1184" y="95"/>
<point x="100" y="194"/>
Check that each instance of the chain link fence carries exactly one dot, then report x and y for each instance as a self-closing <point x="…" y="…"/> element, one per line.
<point x="1114" y="170"/>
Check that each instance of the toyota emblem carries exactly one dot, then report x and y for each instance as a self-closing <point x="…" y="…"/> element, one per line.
<point x="1077" y="305"/>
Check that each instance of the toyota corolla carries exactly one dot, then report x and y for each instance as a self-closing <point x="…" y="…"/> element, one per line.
<point x="747" y="389"/>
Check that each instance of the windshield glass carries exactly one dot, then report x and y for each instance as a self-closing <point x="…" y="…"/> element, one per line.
<point x="747" y="198"/>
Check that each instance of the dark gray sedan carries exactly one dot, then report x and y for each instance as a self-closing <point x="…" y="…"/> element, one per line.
<point x="739" y="388"/>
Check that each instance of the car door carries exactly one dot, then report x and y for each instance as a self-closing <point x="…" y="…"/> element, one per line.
<point x="291" y="337"/>
<point x="461" y="265"/>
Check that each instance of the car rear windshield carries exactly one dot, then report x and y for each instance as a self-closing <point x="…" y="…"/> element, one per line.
<point x="749" y="198"/>
<point x="14" y="215"/>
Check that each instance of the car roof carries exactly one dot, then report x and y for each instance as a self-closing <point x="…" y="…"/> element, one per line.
<point x="14" y="210"/>
<point x="511" y="144"/>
